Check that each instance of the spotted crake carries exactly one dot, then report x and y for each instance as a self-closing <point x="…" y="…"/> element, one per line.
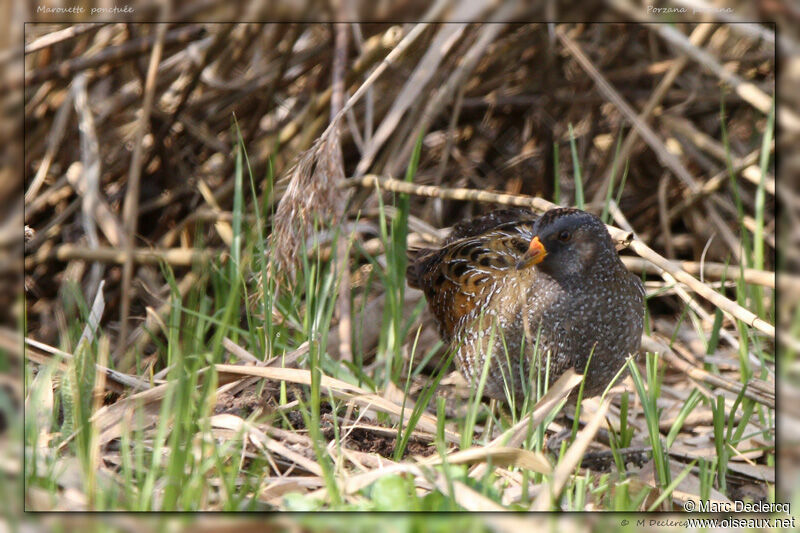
<point x="539" y="287"/>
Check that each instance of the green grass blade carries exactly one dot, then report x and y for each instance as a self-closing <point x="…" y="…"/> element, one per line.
<point x="576" y="168"/>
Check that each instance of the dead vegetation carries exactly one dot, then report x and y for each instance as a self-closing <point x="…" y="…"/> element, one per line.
<point x="131" y="162"/>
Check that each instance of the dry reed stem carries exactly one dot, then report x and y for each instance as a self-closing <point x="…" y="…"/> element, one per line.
<point x="653" y="345"/>
<point x="679" y="289"/>
<point x="499" y="456"/>
<point x="95" y="314"/>
<point x="285" y="360"/>
<point x="466" y="496"/>
<point x="59" y="36"/>
<point x="666" y="157"/>
<point x="445" y="39"/>
<point x="342" y="243"/>
<point x="764" y="387"/>
<point x="122" y="378"/>
<point x="746" y="90"/>
<point x="570" y="461"/>
<point x="701" y="140"/>
<point x="408" y="95"/>
<point x="753" y="174"/>
<point x="260" y="439"/>
<point x="90" y="177"/>
<point x="736" y="23"/>
<point x="663" y="215"/>
<point x="288" y="360"/>
<point x="390" y="59"/>
<point x="514" y="436"/>
<point x="111" y="55"/>
<point x="139" y="337"/>
<point x="698" y="36"/>
<point x="714" y="183"/>
<point x="448" y="148"/>
<point x="100" y="210"/>
<point x="458" y="78"/>
<point x="54" y="138"/>
<point x="198" y="66"/>
<point x="313" y="192"/>
<point x="374" y="49"/>
<point x="424" y="478"/>
<point x="130" y="208"/>
<point x="728" y="306"/>
<point x="715" y="271"/>
<point x="106" y="254"/>
<point x="341" y="390"/>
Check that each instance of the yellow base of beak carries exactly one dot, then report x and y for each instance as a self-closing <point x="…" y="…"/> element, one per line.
<point x="535" y="254"/>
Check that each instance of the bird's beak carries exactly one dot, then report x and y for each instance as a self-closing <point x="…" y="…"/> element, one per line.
<point x="535" y="254"/>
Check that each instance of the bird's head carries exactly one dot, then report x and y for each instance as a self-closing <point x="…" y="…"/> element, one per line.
<point x="567" y="242"/>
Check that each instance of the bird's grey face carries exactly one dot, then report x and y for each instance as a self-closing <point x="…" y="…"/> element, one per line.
<point x="566" y="242"/>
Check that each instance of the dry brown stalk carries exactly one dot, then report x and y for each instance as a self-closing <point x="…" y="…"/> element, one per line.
<point x="663" y="210"/>
<point x="391" y="58"/>
<point x="99" y="208"/>
<point x="713" y="184"/>
<point x="700" y="139"/>
<point x="715" y="271"/>
<point x="570" y="461"/>
<point x="106" y="254"/>
<point x="111" y="55"/>
<point x="343" y="243"/>
<point x="374" y="50"/>
<point x="450" y="193"/>
<point x="339" y="389"/>
<point x="679" y="289"/>
<point x="746" y="90"/>
<point x="313" y="195"/>
<point x="90" y="177"/>
<point x="423" y="73"/>
<point x="130" y="209"/>
<point x="54" y="137"/>
<point x="728" y="306"/>
<point x="52" y="226"/>
<point x="666" y="157"/>
<point x="139" y="337"/>
<point x="698" y="36"/>
<point x="444" y="94"/>
<point x="652" y="344"/>
<point x="516" y="435"/>
<point x="62" y="35"/>
<point x="42" y="354"/>
<point x="43" y="200"/>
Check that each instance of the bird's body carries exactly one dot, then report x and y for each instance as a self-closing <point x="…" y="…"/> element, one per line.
<point x="509" y="277"/>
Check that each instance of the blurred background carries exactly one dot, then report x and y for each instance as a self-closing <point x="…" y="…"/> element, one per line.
<point x="211" y="71"/>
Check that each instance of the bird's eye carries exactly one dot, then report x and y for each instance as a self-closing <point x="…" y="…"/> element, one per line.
<point x="564" y="236"/>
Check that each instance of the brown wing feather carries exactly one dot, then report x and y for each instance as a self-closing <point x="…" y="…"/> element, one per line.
<point x="483" y="223"/>
<point x="452" y="286"/>
<point x="460" y="278"/>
